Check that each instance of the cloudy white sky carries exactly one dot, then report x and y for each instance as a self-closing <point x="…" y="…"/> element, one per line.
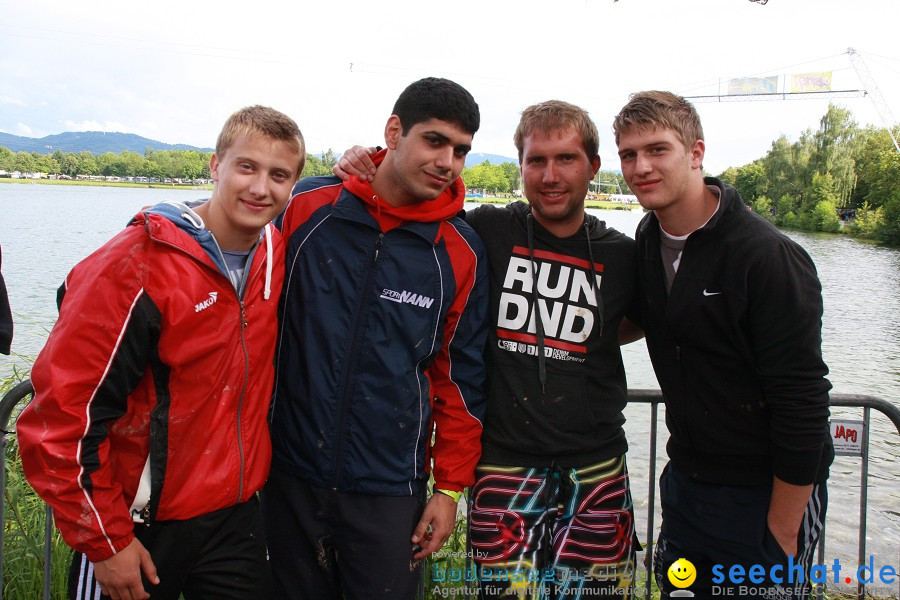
<point x="174" y="70"/>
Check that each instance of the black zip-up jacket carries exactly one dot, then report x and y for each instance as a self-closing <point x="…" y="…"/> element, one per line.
<point x="736" y="346"/>
<point x="6" y="322"/>
<point x="564" y="408"/>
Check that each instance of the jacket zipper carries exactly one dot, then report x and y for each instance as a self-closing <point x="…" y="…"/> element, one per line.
<point x="240" y="407"/>
<point x="686" y="404"/>
<point x="345" y="397"/>
<point x="243" y="322"/>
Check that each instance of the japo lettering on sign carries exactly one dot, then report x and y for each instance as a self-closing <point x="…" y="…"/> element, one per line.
<point x="847" y="436"/>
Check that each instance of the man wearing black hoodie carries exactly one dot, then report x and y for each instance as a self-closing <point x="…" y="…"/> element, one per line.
<point x="551" y="503"/>
<point x="732" y="311"/>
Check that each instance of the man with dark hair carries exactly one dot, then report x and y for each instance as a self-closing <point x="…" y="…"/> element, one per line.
<point x="148" y="434"/>
<point x="551" y="514"/>
<point x="732" y="311"/>
<point x="383" y="329"/>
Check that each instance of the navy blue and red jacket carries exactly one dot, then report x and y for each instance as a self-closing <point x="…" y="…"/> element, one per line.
<point x="381" y="342"/>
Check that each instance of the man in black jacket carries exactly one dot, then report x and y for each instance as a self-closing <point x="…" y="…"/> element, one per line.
<point x="731" y="309"/>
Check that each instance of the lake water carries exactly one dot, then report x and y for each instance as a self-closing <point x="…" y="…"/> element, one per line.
<point x="45" y="230"/>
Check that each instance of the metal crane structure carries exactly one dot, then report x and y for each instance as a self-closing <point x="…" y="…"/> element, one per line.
<point x="881" y="107"/>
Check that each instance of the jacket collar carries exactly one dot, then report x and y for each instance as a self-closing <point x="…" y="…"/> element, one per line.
<point x="350" y="207"/>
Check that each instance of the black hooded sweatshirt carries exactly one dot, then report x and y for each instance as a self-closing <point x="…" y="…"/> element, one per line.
<point x="556" y="387"/>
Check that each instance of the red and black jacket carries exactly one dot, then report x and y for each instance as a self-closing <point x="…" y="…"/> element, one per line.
<point x="154" y="356"/>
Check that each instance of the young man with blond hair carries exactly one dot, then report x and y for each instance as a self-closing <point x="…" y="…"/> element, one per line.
<point x="731" y="309"/>
<point x="148" y="431"/>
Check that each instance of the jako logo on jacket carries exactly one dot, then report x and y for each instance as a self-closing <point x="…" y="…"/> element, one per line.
<point x="206" y="303"/>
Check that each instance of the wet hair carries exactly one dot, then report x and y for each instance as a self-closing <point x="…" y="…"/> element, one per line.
<point x="663" y="110"/>
<point x="265" y="121"/>
<point x="556" y="115"/>
<point x="435" y="98"/>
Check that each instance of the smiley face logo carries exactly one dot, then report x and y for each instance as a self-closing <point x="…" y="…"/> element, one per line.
<point x="682" y="573"/>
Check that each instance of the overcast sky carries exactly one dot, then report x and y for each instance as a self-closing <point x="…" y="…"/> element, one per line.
<point x="173" y="71"/>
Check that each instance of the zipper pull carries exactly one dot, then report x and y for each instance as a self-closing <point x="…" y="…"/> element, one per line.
<point x="243" y="316"/>
<point x="378" y="247"/>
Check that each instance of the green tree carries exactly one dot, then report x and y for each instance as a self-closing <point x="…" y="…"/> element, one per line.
<point x="819" y="209"/>
<point x="729" y="176"/>
<point x="108" y="164"/>
<point x="779" y="164"/>
<point x="329" y="160"/>
<point x="486" y="177"/>
<point x="133" y="164"/>
<point x="512" y="174"/>
<point x="836" y="142"/>
<point x="878" y="167"/>
<point x="45" y="163"/>
<point x="68" y="165"/>
<point x="868" y="221"/>
<point x="610" y="182"/>
<point x="7" y="159"/>
<point x="24" y="162"/>
<point x="751" y="181"/>
<point x="785" y="211"/>
<point x="314" y="166"/>
<point x="87" y="164"/>
<point x="889" y="230"/>
<point x="763" y="207"/>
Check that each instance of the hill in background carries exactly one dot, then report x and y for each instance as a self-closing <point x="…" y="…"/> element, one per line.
<point x="95" y="142"/>
<point x="99" y="142"/>
<point x="476" y="158"/>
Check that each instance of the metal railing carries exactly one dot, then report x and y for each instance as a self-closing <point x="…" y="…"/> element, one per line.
<point x="24" y="391"/>
<point x="867" y="403"/>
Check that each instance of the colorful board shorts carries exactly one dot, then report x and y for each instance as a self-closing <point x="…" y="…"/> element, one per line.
<point x="547" y="533"/>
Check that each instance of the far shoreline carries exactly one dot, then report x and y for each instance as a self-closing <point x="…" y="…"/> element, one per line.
<point x="123" y="184"/>
<point x="598" y="204"/>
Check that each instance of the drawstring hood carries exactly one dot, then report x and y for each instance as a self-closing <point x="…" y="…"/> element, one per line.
<point x="598" y="299"/>
<point x="535" y="296"/>
<point x="538" y="323"/>
<point x="445" y="206"/>
<point x="267" y="290"/>
<point x="184" y="217"/>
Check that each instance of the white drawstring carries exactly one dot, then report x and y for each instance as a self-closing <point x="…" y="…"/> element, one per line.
<point x="268" y="235"/>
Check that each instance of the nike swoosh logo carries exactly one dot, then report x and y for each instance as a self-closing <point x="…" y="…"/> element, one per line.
<point x="705" y="293"/>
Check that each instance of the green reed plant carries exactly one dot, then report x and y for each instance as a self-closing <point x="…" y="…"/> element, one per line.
<point x="23" y="524"/>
